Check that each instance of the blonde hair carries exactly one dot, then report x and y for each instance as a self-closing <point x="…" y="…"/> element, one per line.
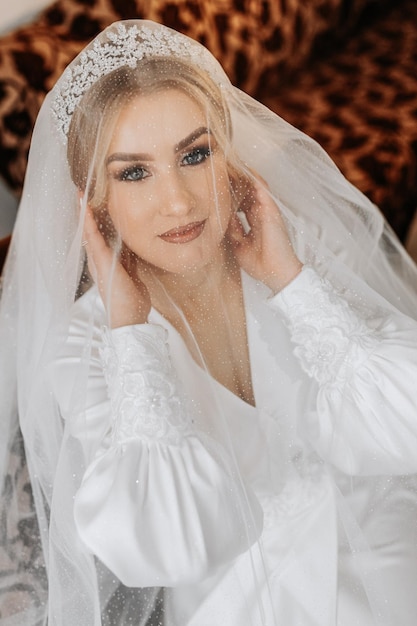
<point x="93" y="121"/>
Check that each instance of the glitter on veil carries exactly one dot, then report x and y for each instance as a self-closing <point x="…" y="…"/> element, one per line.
<point x="245" y="457"/>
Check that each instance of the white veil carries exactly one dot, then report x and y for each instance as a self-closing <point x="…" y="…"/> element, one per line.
<point x="333" y="227"/>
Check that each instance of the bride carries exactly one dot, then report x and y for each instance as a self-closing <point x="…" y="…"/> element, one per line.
<point x="208" y="338"/>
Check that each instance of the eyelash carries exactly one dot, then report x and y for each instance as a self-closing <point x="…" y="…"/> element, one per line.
<point x="137" y="173"/>
<point x="130" y="174"/>
<point x="201" y="152"/>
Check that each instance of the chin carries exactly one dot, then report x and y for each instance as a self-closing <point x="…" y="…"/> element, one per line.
<point x="183" y="269"/>
<point x="187" y="264"/>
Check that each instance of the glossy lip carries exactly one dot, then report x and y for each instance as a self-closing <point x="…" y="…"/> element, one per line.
<point x="184" y="234"/>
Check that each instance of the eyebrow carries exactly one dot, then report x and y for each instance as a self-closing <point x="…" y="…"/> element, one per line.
<point x="134" y="156"/>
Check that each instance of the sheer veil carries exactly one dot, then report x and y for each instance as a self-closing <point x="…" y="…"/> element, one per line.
<point x="333" y="228"/>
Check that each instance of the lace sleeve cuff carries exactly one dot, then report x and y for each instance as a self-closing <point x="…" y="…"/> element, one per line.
<point x="144" y="392"/>
<point x="331" y="340"/>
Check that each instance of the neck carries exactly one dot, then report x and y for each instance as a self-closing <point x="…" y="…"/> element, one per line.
<point x="207" y="310"/>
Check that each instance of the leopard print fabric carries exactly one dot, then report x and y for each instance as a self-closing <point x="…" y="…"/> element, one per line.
<point x="360" y="104"/>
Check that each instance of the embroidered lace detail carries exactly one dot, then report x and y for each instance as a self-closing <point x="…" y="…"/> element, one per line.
<point x="305" y="486"/>
<point x="331" y="339"/>
<point x="144" y="393"/>
<point x="125" y="46"/>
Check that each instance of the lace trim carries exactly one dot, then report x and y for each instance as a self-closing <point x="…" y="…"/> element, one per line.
<point x="331" y="340"/>
<point x="302" y="490"/>
<point x="125" y="46"/>
<point x="145" y="397"/>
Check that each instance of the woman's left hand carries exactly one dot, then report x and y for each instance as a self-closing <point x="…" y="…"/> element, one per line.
<point x="124" y="295"/>
<point x="265" y="252"/>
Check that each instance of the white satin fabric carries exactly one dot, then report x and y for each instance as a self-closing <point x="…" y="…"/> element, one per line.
<point x="160" y="494"/>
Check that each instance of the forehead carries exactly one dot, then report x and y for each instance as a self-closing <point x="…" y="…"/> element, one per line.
<point x="159" y="118"/>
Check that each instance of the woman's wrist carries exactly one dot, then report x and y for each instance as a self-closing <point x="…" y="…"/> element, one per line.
<point x="131" y="312"/>
<point x="278" y="280"/>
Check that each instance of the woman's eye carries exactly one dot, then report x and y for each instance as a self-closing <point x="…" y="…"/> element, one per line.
<point x="196" y="156"/>
<point x="133" y="173"/>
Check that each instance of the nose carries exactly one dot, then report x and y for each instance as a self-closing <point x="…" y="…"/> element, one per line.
<point x="176" y="197"/>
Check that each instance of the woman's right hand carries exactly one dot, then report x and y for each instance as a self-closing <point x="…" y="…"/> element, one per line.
<point x="125" y="297"/>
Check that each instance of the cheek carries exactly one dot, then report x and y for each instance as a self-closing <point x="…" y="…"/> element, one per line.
<point x="125" y="208"/>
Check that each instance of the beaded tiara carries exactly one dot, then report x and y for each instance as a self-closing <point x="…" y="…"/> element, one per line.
<point x="122" y="44"/>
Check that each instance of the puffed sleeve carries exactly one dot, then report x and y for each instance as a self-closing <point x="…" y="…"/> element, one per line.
<point x="159" y="503"/>
<point x="365" y="373"/>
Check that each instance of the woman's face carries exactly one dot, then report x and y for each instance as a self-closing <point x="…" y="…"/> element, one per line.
<point x="168" y="186"/>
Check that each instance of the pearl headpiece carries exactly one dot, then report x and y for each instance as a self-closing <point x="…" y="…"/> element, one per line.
<point x="125" y="46"/>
